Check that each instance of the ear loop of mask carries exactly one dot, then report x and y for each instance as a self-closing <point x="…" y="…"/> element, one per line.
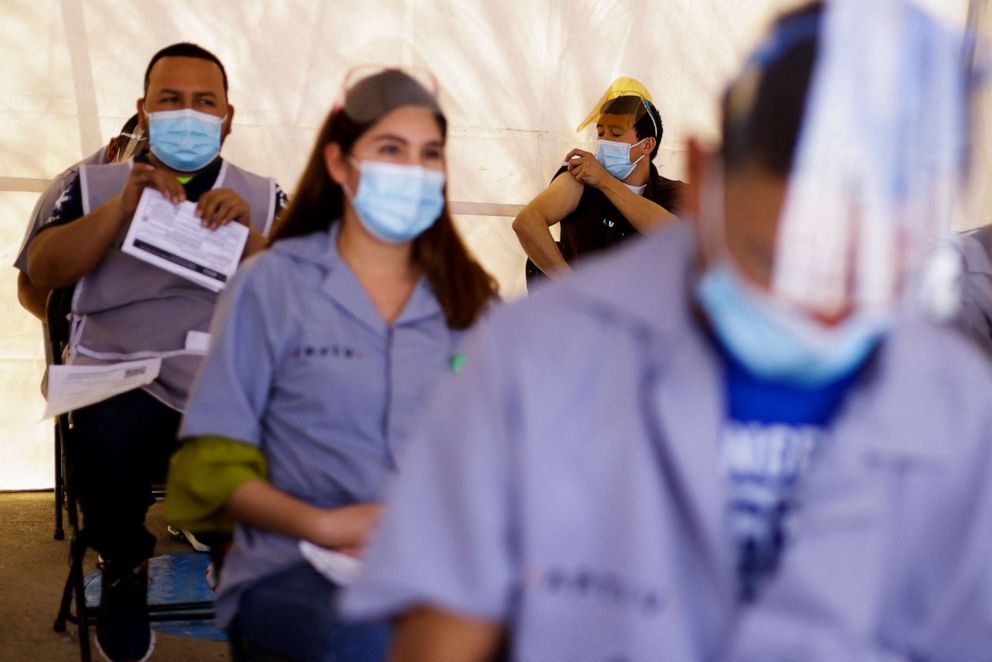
<point x="357" y="165"/>
<point x="647" y="109"/>
<point x="639" y="158"/>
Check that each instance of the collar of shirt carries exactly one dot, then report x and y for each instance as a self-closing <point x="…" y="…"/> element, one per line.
<point x="201" y="181"/>
<point x="342" y="285"/>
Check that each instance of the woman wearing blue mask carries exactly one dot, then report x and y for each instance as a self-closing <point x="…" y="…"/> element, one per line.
<point x="325" y="348"/>
<point x="609" y="196"/>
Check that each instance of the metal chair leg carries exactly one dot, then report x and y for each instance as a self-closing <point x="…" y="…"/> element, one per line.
<point x="65" y="605"/>
<point x="59" y="486"/>
<point x="75" y="591"/>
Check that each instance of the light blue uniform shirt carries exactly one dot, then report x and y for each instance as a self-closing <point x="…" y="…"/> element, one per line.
<point x="303" y="366"/>
<point x="567" y="483"/>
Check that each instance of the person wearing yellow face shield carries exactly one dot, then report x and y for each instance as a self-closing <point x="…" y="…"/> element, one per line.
<point x="608" y="196"/>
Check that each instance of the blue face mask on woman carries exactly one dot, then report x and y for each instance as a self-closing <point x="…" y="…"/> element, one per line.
<point x="779" y="344"/>
<point x="185" y="140"/>
<point x="615" y="157"/>
<point x="395" y="202"/>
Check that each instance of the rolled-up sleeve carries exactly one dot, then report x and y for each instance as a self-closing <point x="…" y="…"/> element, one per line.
<point x="203" y="474"/>
<point x="446" y="539"/>
<point x="59" y="204"/>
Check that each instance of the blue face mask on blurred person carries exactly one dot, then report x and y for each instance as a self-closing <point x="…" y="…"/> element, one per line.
<point x="397" y="202"/>
<point x="778" y="344"/>
<point x="615" y="157"/>
<point x="185" y="140"/>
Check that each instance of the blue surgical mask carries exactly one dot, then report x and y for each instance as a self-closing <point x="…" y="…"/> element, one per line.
<point x="396" y="203"/>
<point x="615" y="157"/>
<point x="777" y="343"/>
<point x="185" y="140"/>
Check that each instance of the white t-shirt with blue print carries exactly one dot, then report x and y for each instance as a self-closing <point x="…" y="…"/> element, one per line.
<point x="773" y="433"/>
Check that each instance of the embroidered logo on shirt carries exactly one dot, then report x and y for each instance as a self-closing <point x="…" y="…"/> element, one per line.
<point x="769" y="452"/>
<point x="764" y="463"/>
<point x="325" y="351"/>
<point x="586" y="583"/>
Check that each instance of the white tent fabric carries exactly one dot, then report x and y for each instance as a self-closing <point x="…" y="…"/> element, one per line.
<point x="516" y="75"/>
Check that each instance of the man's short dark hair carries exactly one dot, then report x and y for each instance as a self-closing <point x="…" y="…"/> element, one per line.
<point x="185" y="49"/>
<point x="763" y="110"/>
<point x="645" y="127"/>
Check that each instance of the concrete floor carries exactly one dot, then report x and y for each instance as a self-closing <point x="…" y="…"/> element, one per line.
<point x="33" y="568"/>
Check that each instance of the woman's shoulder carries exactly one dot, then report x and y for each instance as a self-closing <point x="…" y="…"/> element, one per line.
<point x="289" y="256"/>
<point x="313" y="247"/>
<point x="270" y="274"/>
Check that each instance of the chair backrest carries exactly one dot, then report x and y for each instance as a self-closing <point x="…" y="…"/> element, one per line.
<point x="57" y="327"/>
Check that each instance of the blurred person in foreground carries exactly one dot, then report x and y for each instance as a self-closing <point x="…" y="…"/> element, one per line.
<point x="778" y="456"/>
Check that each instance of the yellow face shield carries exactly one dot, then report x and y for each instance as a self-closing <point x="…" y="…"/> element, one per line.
<point x="625" y="96"/>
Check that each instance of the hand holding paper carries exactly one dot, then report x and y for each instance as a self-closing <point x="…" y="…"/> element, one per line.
<point x="144" y="176"/>
<point x="171" y="237"/>
<point x="222" y="205"/>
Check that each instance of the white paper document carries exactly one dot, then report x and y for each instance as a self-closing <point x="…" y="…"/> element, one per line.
<point x="337" y="567"/>
<point x="170" y="237"/>
<point x="74" y="386"/>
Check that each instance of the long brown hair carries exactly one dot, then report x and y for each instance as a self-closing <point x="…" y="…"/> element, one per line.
<point x="461" y="285"/>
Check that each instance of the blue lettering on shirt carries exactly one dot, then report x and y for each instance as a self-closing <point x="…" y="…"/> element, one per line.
<point x="770" y="440"/>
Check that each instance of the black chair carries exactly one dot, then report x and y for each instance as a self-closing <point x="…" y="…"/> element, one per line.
<point x="73" y="608"/>
<point x="57" y="313"/>
<point x="59" y="533"/>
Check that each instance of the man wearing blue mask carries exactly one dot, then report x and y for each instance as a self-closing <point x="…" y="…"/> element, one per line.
<point x="609" y="196"/>
<point x="765" y="462"/>
<point x="124" y="308"/>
